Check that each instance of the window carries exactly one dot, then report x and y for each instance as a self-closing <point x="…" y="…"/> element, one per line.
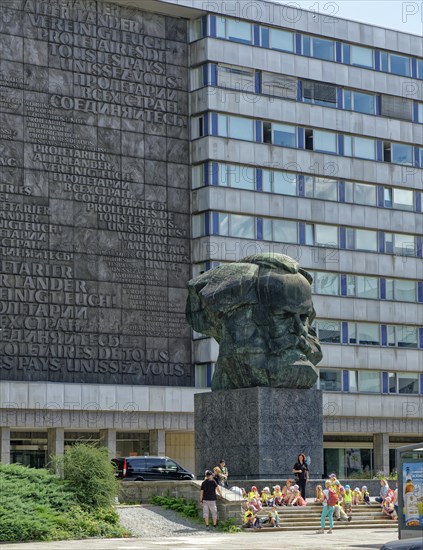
<point x="359" y="102"/>
<point x="366" y="240"/>
<point x="318" y="47"/>
<point x="406" y="337"/>
<point x="321" y="188"/>
<point x="233" y="175"/>
<point x="408" y="383"/>
<point x="309" y="234"/>
<point x="198" y="226"/>
<point x="319" y="94"/>
<point x="403" y="199"/>
<point x="395" y="64"/>
<point x="362" y="287"/>
<point x="197" y="80"/>
<point x="396" y="107"/>
<point x="279" y="85"/>
<point x="198" y="126"/>
<point x="404" y="291"/>
<point x="283" y="231"/>
<point x="404" y="245"/>
<point x="392" y="382"/>
<point x="234" y="29"/>
<point x="352" y="381"/>
<point x="364" y="148"/>
<point x="369" y="382"/>
<point x="362" y="57"/>
<point x="196" y="29"/>
<point x="235" y="127"/>
<point x="398" y="153"/>
<point x="326" y="235"/>
<point x="330" y="380"/>
<point x="282" y="183"/>
<point x="318" y="140"/>
<point x="279" y="134"/>
<point x="198" y="176"/>
<point x="326" y="283"/>
<point x="201" y="375"/>
<point x="235" y="77"/>
<point x="360" y="193"/>
<point x="368" y="334"/>
<point x="242" y="226"/>
<point x="281" y="40"/>
<point x="420" y="110"/>
<point x="420" y="68"/>
<point x="329" y="332"/>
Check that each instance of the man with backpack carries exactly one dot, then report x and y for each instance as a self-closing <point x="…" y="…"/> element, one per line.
<point x="330" y="498"/>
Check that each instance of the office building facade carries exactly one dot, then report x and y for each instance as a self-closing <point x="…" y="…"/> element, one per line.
<point x="143" y="147"/>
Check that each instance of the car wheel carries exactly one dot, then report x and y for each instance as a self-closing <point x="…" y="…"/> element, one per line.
<point x="187" y="478"/>
<point x="139" y="479"/>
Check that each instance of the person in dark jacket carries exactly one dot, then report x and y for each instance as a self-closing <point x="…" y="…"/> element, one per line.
<point x="300" y="470"/>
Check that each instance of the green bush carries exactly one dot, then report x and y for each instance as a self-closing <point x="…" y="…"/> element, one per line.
<point x="35" y="505"/>
<point x="187" y="508"/>
<point x="90" y="474"/>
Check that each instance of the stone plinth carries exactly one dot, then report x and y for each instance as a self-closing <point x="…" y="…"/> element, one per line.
<point x="259" y="431"/>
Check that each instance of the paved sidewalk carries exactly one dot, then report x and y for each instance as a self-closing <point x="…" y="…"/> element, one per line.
<point x="359" y="539"/>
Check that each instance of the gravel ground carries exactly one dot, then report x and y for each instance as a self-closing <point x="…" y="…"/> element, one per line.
<point x="154" y="521"/>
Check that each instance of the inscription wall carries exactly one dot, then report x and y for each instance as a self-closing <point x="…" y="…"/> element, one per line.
<point x="94" y="194"/>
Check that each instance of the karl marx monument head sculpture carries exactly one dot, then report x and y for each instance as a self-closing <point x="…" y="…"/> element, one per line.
<point x="260" y="312"/>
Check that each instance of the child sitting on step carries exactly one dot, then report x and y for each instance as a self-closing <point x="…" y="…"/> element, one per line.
<point x="277" y="495"/>
<point x="365" y="495"/>
<point x="347" y="503"/>
<point x="320" y="497"/>
<point x="266" y="497"/>
<point x="298" y="499"/>
<point x="388" y="508"/>
<point x="357" y="498"/>
<point x="273" y="517"/>
<point x="251" y="520"/>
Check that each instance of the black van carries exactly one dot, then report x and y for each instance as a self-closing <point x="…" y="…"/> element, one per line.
<point x="149" y="468"/>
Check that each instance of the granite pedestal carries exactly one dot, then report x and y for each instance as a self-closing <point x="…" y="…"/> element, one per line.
<point x="259" y="431"/>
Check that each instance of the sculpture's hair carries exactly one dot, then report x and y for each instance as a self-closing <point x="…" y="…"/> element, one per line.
<point x="277" y="261"/>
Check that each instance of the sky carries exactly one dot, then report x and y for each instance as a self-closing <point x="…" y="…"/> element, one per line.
<point x="401" y="15"/>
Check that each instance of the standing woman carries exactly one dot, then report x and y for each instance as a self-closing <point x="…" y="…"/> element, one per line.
<point x="300" y="469"/>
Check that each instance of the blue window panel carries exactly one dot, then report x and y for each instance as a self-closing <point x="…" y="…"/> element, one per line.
<point x="346" y="54"/>
<point x="259" y="131"/>
<point x="344" y="330"/>
<point x="209" y="375"/>
<point x="343" y="284"/>
<point x="257" y="82"/>
<point x="214" y="127"/>
<point x="205" y="75"/>
<point x="413" y="67"/>
<point x="256" y="35"/>
<point x="380" y="197"/>
<point x="299" y="90"/>
<point x="418" y="202"/>
<point x="415" y="111"/>
<point x="342" y="237"/>
<point x="215" y="223"/>
<point x="298" y="49"/>
<point x="204" y="25"/>
<point x="206" y="124"/>
<point x="207" y="266"/>
<point x="377" y="60"/>
<point x="385" y="386"/>
<point x="420" y="292"/>
<point x="206" y="173"/>
<point x="300" y="141"/>
<point x="301" y="185"/>
<point x="338" y="52"/>
<point x="265" y="37"/>
<point x="379" y="150"/>
<point x="207" y="223"/>
<point x="421" y="338"/>
<point x="339" y="98"/>
<point x="421" y="384"/>
<point x="213" y="74"/>
<point x="418" y="247"/>
<point x="381" y="237"/>
<point x="259" y="227"/>
<point x="215" y="174"/>
<point x="382" y="287"/>
<point x="378" y="105"/>
<point x="305" y="46"/>
<point x="345" y="381"/>
<point x="259" y="179"/>
<point x="340" y="145"/>
<point x="384" y="334"/>
<point x="212" y="25"/>
<point x="416" y="156"/>
<point x="301" y="227"/>
<point x="341" y="189"/>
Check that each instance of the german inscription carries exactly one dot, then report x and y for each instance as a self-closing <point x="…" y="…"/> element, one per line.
<point x="94" y="204"/>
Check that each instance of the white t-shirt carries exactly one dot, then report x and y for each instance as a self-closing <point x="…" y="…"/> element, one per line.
<point x="326" y="493"/>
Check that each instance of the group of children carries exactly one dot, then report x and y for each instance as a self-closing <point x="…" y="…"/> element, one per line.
<point x="289" y="495"/>
<point x="346" y="498"/>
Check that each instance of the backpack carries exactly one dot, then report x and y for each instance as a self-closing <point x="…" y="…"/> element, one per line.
<point x="333" y="497"/>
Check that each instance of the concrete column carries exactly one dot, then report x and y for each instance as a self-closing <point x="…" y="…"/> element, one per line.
<point x="5" y="445"/>
<point x="55" y="443"/>
<point x="381" y="453"/>
<point x="158" y="442"/>
<point x="108" y="440"/>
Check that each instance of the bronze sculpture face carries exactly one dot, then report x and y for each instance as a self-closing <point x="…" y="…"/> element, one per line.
<point x="260" y="311"/>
